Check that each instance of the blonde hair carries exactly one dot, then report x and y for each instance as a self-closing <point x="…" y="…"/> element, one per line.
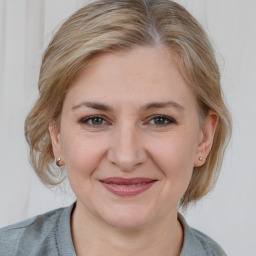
<point x="107" y="26"/>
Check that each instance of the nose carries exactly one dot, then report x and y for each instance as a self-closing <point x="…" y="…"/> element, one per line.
<point x="126" y="150"/>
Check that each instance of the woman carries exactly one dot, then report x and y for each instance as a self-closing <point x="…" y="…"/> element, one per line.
<point x="130" y="103"/>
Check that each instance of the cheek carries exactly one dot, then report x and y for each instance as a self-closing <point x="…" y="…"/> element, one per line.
<point x="82" y="154"/>
<point x="175" y="158"/>
<point x="177" y="149"/>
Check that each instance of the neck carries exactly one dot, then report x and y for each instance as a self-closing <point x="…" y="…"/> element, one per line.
<point x="94" y="237"/>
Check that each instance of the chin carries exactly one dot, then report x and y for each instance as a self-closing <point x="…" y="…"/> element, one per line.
<point x="123" y="223"/>
<point x="126" y="219"/>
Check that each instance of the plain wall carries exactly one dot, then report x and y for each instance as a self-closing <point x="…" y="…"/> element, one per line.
<point x="228" y="213"/>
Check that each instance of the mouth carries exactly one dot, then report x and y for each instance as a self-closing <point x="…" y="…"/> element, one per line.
<point x="127" y="187"/>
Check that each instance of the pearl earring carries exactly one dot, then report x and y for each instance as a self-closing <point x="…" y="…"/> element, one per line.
<point x="201" y="158"/>
<point x="57" y="162"/>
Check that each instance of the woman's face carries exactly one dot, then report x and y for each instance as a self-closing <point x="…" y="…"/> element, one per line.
<point x="130" y="116"/>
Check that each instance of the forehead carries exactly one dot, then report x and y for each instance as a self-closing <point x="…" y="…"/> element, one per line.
<point x="139" y="76"/>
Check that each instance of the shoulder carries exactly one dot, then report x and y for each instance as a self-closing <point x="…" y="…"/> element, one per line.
<point x="196" y="243"/>
<point x="207" y="244"/>
<point x="27" y="236"/>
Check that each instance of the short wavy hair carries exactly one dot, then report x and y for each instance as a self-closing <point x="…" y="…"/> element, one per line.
<point x="109" y="26"/>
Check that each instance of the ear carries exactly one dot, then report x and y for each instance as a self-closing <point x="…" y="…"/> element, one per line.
<point x="56" y="142"/>
<point x="206" y="138"/>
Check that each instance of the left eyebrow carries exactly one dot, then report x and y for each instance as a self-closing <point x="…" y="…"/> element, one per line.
<point x="163" y="105"/>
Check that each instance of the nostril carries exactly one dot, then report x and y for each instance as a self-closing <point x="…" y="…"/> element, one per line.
<point x="126" y="160"/>
<point x="126" y="149"/>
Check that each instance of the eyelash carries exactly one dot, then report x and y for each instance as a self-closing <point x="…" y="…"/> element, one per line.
<point x="167" y="119"/>
<point x="86" y="120"/>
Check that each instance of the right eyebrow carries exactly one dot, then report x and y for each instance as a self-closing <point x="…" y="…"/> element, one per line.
<point x="94" y="105"/>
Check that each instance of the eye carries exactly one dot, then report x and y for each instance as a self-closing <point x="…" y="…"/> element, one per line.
<point x="93" y="121"/>
<point x="161" y="120"/>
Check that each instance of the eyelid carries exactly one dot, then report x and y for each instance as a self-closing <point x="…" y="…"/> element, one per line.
<point x="168" y="118"/>
<point x="85" y="120"/>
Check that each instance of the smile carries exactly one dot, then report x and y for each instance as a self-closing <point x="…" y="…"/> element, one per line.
<point x="127" y="187"/>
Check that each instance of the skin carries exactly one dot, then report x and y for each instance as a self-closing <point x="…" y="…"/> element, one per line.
<point x="128" y="140"/>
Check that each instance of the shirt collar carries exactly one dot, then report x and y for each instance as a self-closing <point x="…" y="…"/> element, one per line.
<point x="64" y="238"/>
<point x="66" y="247"/>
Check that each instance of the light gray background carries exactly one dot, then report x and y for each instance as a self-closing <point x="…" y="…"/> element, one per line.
<point x="228" y="213"/>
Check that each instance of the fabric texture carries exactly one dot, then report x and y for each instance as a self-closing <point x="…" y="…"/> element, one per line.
<point x="49" y="235"/>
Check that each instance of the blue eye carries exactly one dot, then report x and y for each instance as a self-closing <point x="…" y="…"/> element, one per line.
<point x="161" y="120"/>
<point x="93" y="121"/>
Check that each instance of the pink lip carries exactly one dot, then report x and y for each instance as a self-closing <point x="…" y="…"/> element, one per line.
<point x="127" y="187"/>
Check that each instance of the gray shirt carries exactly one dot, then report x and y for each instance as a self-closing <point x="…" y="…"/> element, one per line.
<point x="49" y="235"/>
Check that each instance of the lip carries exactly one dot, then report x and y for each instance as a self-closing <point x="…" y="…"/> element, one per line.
<point x="127" y="187"/>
